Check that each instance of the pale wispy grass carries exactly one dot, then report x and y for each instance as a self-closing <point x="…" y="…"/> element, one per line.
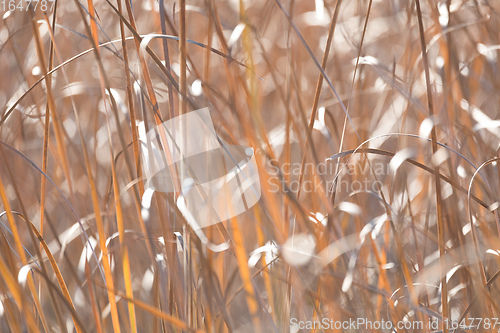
<point x="376" y="136"/>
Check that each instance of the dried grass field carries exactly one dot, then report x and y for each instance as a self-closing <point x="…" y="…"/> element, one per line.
<point x="375" y="132"/>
